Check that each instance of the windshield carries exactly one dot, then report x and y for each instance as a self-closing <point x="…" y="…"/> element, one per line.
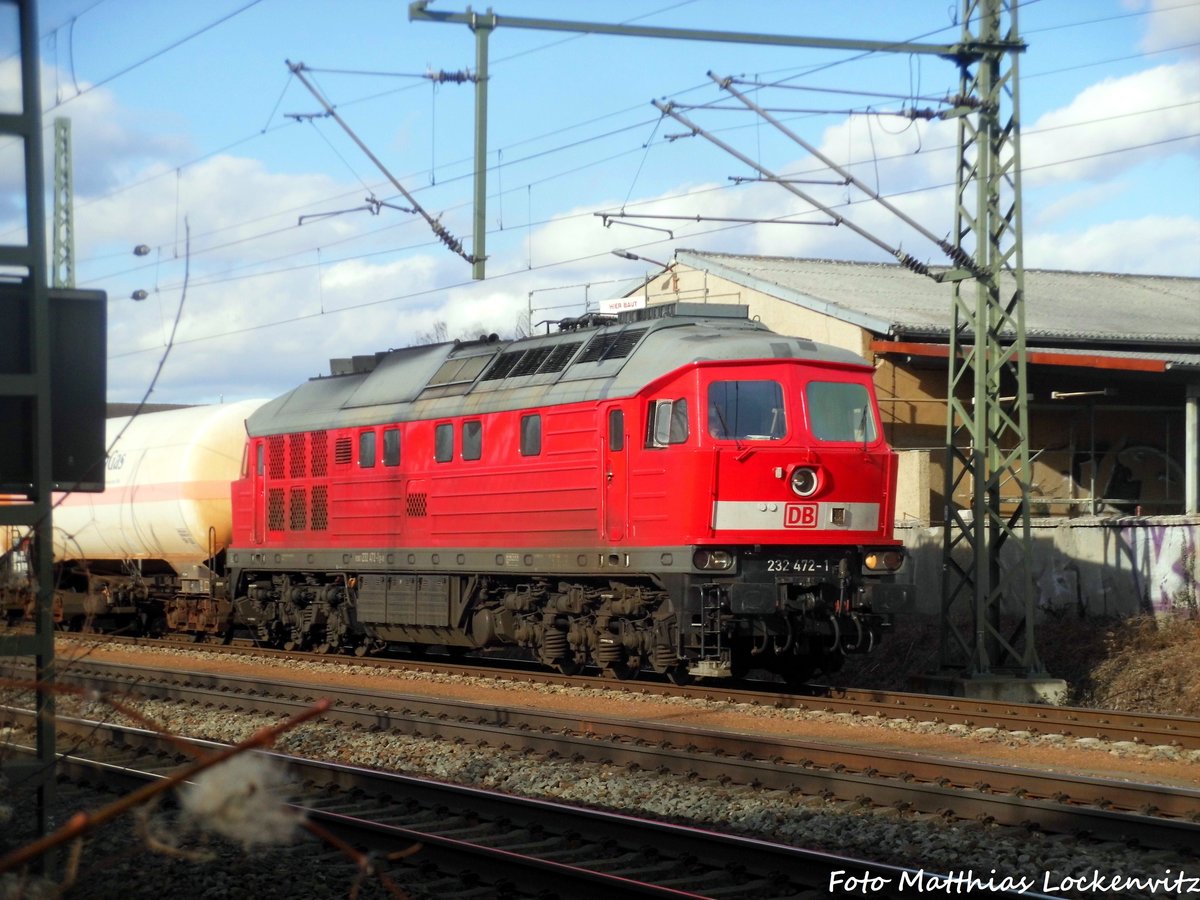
<point x="840" y="411"/>
<point x="746" y="410"/>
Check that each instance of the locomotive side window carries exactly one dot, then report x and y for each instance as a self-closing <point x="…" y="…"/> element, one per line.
<point x="746" y="410"/>
<point x="668" y="423"/>
<point x="531" y="435"/>
<point x="366" y="450"/>
<point x="443" y="442"/>
<point x="472" y="439"/>
<point x="840" y="411"/>
<point x="616" y="430"/>
<point x="260" y="459"/>
<point x="391" y="446"/>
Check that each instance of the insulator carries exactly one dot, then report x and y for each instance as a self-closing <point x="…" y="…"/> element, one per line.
<point x="958" y="255"/>
<point x="911" y="262"/>
<point x="459" y="77"/>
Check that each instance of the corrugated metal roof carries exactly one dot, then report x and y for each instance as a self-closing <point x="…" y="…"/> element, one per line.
<point x="891" y="301"/>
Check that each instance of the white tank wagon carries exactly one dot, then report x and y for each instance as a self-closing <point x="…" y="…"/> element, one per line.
<point x="166" y="491"/>
<point x="135" y="557"/>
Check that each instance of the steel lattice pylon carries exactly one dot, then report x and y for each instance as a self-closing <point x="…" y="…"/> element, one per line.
<point x="25" y="389"/>
<point x="987" y="423"/>
<point x="63" y="248"/>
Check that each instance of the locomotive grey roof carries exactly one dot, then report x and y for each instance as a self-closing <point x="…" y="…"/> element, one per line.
<point x="592" y="359"/>
<point x="1061" y="308"/>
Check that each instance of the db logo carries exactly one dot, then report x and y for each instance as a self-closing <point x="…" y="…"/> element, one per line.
<point x="800" y="515"/>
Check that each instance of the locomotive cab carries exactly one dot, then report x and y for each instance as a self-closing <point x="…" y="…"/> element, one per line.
<point x="785" y="488"/>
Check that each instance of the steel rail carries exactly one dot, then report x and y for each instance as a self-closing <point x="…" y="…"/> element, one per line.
<point x="1035" y="718"/>
<point x="1158" y="815"/>
<point x="541" y="846"/>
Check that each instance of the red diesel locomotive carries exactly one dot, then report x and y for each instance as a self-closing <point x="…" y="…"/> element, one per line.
<point x="677" y="489"/>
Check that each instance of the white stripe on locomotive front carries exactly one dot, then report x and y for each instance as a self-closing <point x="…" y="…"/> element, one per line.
<point x="788" y="515"/>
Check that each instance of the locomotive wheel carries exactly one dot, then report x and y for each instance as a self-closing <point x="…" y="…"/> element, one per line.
<point x="797" y="672"/>
<point x="567" y="665"/>
<point x="624" y="670"/>
<point x="679" y="674"/>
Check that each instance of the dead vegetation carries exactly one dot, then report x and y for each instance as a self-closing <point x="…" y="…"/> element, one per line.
<point x="1143" y="663"/>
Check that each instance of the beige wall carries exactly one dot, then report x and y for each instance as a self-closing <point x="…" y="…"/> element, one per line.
<point x="696" y="286"/>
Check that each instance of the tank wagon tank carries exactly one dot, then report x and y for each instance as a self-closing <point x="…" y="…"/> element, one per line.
<point x="146" y="553"/>
<point x="679" y="489"/>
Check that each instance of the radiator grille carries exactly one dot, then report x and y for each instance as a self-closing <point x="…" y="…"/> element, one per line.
<point x="416" y="505"/>
<point x="275" y="509"/>
<point x="320" y="508"/>
<point x="297" y="444"/>
<point x="318" y="452"/>
<point x="297" y="509"/>
<point x="275" y="456"/>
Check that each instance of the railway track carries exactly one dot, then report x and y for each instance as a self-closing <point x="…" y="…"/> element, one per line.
<point x="916" y="785"/>
<point x="514" y="847"/>
<point x="1072" y="722"/>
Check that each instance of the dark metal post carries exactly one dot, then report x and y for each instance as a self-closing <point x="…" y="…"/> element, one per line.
<point x="25" y="392"/>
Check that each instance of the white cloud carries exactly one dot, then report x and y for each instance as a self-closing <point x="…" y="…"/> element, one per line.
<point x="1169" y="24"/>
<point x="1152" y="245"/>
<point x="1075" y="202"/>
<point x="1089" y="138"/>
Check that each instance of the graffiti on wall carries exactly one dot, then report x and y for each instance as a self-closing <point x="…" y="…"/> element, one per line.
<point x="1160" y="562"/>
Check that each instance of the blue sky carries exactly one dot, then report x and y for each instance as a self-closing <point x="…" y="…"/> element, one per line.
<point x="180" y="122"/>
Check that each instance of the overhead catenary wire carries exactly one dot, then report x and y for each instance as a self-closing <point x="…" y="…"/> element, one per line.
<point x="434" y="224"/>
<point x="906" y="259"/>
<point x="954" y="253"/>
<point x="226" y="278"/>
<point x="155" y="55"/>
<point x="524" y="270"/>
<point x="523" y="187"/>
<point x="85" y="202"/>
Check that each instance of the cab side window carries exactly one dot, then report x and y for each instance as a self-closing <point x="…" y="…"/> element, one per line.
<point x="366" y="450"/>
<point x="616" y="430"/>
<point x="667" y="423"/>
<point x="531" y="435"/>
<point x="443" y="442"/>
<point x="472" y="439"/>
<point x="391" y="446"/>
